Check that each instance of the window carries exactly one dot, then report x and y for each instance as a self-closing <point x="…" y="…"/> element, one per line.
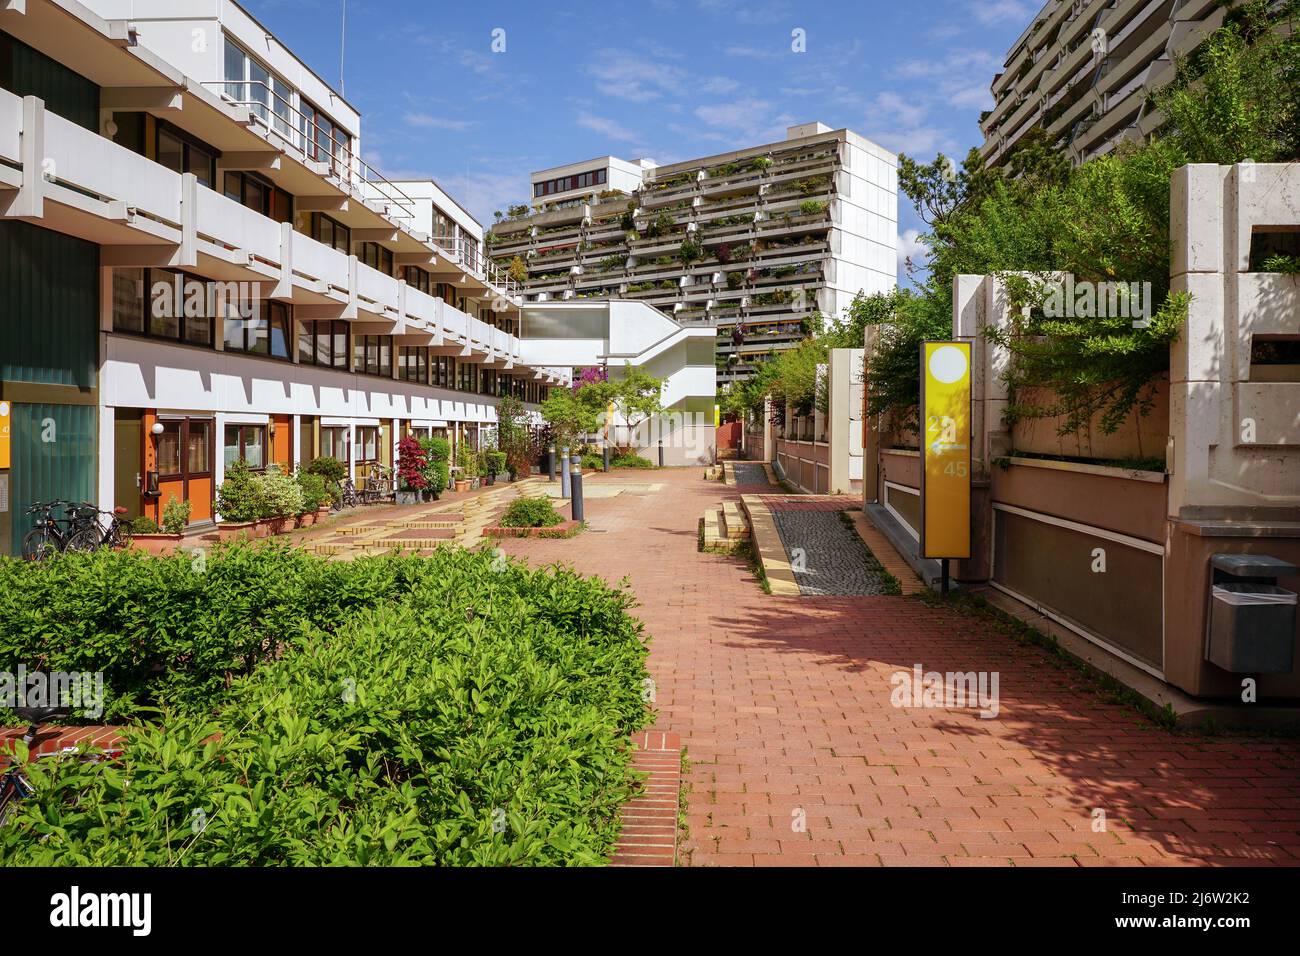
<point x="373" y="355"/>
<point x="185" y="448"/>
<point x="182" y="154"/>
<point x="163" y="304"/>
<point x="331" y="233"/>
<point x="367" y="443"/>
<point x="417" y="278"/>
<point x="266" y="332"/>
<point x="468" y="374"/>
<point x="246" y="443"/>
<point x="259" y="195"/>
<point x="413" y="363"/>
<point x="334" y="443"/>
<point x="377" y="257"/>
<point x="444" y="371"/>
<point x="323" y="343"/>
<point x="323" y="141"/>
<point x="563" y="184"/>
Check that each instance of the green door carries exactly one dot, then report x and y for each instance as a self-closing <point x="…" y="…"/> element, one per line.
<point x="53" y="457"/>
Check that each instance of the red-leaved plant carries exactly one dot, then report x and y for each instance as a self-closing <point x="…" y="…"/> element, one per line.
<point x="411" y="462"/>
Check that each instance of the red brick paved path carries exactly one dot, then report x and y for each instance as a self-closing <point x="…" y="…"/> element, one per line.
<point x="783" y="705"/>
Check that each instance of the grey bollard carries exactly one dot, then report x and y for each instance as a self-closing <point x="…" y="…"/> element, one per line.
<point x="564" y="472"/>
<point x="575" y="506"/>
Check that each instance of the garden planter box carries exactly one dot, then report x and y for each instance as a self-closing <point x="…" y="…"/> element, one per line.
<point x="271" y="526"/>
<point x="236" y="531"/>
<point x="565" y="529"/>
<point x="159" y="544"/>
<point x="306" y="518"/>
<point x="408" y="497"/>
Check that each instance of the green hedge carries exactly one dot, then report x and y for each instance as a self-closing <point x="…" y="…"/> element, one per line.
<point x="479" y="717"/>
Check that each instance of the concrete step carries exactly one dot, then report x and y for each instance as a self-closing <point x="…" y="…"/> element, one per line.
<point x="734" y="523"/>
<point x="428" y="524"/>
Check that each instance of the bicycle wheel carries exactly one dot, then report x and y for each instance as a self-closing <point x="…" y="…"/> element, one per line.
<point x="84" y="540"/>
<point x="39" y="544"/>
<point x="119" y="536"/>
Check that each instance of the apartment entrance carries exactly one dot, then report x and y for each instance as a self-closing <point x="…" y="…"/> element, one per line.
<point x="128" y="460"/>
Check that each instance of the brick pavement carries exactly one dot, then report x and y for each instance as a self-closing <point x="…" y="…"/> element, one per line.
<point x="798" y="757"/>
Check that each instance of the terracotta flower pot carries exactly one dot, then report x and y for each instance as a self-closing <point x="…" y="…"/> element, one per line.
<point x="462" y="485"/>
<point x="306" y="519"/>
<point x="272" y="526"/>
<point x="236" y="530"/>
<point x="322" y="512"/>
<point x="158" y="544"/>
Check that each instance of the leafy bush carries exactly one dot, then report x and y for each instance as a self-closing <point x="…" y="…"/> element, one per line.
<point x="496" y="462"/>
<point x="176" y="515"/>
<point x="331" y="469"/>
<point x="279" y="495"/>
<point x="461" y="696"/>
<point x="239" y="496"/>
<point x="145" y="525"/>
<point x="530" y="512"/>
<point x="411" y="464"/>
<point x="314" y="492"/>
<point x="437" y="451"/>
<point x="630" y="461"/>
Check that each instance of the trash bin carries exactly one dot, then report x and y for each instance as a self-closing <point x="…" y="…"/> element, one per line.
<point x="1252" y="628"/>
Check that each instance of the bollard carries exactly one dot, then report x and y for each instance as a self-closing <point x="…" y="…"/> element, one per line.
<point x="575" y="477"/>
<point x="550" y="462"/>
<point x="606" y="468"/>
<point x="661" y="453"/>
<point x="564" y="472"/>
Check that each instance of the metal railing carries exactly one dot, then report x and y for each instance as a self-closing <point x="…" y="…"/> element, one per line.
<point x="470" y="254"/>
<point x="317" y="143"/>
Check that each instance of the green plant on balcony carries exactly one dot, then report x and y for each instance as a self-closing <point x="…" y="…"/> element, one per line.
<point x="1287" y="265"/>
<point x="690" y="251"/>
<point x="610" y="263"/>
<point x="660" y="225"/>
<point x="760" y="163"/>
<point x="811" y="207"/>
<point x="518" y="271"/>
<point x="735" y="279"/>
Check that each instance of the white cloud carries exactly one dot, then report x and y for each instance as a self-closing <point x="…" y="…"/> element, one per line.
<point x="632" y="76"/>
<point x="920" y="141"/>
<point x="910" y="246"/>
<point x="999" y="11"/>
<point x="428" y="121"/>
<point x="606" y="127"/>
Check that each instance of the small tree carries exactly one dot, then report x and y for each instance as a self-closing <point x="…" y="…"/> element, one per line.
<point x="518" y="271"/>
<point x="569" y="416"/>
<point x="639" y="395"/>
<point x="411" y="463"/>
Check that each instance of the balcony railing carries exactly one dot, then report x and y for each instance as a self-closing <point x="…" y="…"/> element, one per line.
<point x="318" y="144"/>
<point x="471" y="255"/>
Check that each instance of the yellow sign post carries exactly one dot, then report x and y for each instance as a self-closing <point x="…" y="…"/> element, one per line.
<point x="945" y="451"/>
<point x="6" y="419"/>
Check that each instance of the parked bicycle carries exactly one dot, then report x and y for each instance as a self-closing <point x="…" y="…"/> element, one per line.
<point x="49" y="535"/>
<point x="345" y="496"/>
<point x="89" y="534"/>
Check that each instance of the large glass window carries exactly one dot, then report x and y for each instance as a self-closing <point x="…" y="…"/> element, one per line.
<point x="333" y="234"/>
<point x="265" y="332"/>
<point x="323" y="343"/>
<point x="246" y="443"/>
<point x="334" y="443"/>
<point x="162" y="304"/>
<point x="367" y="443"/>
<point x="413" y="363"/>
<point x="169" y="450"/>
<point x="377" y="257"/>
<point x="373" y="355"/>
<point x="182" y="154"/>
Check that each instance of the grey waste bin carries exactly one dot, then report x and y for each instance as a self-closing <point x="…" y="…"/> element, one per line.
<point x="1252" y="620"/>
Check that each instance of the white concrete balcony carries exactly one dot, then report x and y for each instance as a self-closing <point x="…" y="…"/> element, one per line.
<point x="60" y="175"/>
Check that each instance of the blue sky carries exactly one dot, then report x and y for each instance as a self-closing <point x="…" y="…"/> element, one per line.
<point x="667" y="79"/>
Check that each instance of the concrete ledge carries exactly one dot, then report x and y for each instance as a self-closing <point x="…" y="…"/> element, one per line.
<point x="768" y="547"/>
<point x="1189" y="711"/>
<point x="927" y="569"/>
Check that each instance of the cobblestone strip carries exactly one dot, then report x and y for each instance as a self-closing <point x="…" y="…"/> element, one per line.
<point x="825" y="556"/>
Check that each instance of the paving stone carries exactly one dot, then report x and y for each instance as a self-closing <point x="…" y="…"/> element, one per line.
<point x="834" y="559"/>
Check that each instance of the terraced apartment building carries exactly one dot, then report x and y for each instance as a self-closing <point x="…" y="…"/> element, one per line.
<point x="1084" y="71"/>
<point x="750" y="242"/>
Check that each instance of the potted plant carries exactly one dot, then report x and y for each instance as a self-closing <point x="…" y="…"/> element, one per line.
<point x="148" y="537"/>
<point x="466" y="462"/>
<point x="411" y="463"/>
<point x="281" y="500"/>
<point x="239" y="503"/>
<point x="315" y="497"/>
<point x="332" y="472"/>
<point x="496" y="466"/>
<point x="484" y="464"/>
<point x="437" y="453"/>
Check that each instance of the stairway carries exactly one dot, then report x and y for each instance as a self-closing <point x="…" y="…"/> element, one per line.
<point x="725" y="528"/>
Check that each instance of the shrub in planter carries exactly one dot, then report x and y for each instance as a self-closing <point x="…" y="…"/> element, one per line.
<point x="437" y="452"/>
<point x="496" y="462"/>
<point x="630" y="461"/>
<point x="522" y="703"/>
<point x="331" y="469"/>
<point x="530" y="512"/>
<point x="239" y="496"/>
<point x="176" y="516"/>
<point x="314" y="493"/>
<point x="411" y="463"/>
<point x="144" y="525"/>
<point x="281" y="497"/>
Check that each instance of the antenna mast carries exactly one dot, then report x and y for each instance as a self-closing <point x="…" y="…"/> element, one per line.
<point x="343" y="41"/>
